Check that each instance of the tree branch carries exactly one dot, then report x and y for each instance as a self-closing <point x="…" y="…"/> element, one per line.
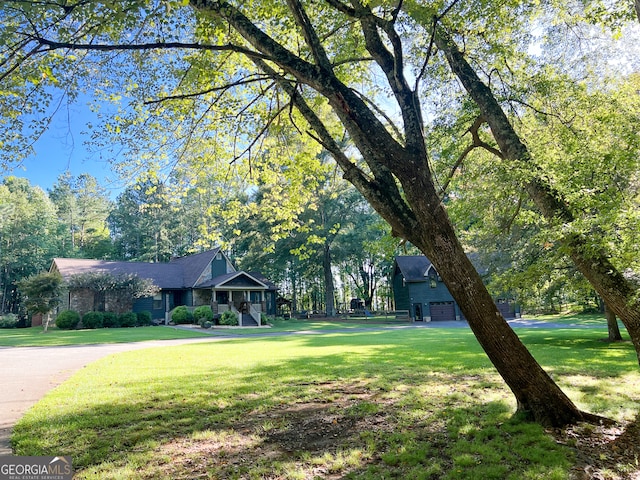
<point x="476" y="142"/>
<point x="381" y="191"/>
<point x="53" y="45"/>
<point x="223" y="88"/>
<point x="302" y="19"/>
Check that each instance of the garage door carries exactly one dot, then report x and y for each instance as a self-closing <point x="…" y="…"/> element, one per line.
<point x="442" y="311"/>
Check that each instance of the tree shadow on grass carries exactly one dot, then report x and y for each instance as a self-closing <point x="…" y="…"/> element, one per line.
<point x="419" y="407"/>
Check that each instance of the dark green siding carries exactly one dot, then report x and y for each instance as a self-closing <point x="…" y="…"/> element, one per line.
<point x="400" y="293"/>
<point x="218" y="267"/>
<point x="146" y="305"/>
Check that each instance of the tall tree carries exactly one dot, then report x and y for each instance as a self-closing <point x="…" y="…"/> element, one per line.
<point x="304" y="56"/>
<point x="144" y="221"/>
<point x="83" y="207"/>
<point x="28" y="242"/>
<point x="367" y="251"/>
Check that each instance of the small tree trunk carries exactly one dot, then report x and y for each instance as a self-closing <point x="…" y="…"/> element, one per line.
<point x="617" y="292"/>
<point x="612" y="325"/>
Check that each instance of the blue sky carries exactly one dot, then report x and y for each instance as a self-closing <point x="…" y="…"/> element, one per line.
<point x="62" y="148"/>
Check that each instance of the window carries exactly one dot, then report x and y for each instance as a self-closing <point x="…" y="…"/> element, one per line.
<point x="222" y="297"/>
<point x="255" y="297"/>
<point x="157" y="301"/>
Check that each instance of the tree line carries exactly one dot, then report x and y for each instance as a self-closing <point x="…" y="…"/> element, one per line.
<point x="335" y="231"/>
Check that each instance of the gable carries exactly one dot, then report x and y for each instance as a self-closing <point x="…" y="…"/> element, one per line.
<point x="414" y="268"/>
<point x="200" y="267"/>
<point x="235" y="280"/>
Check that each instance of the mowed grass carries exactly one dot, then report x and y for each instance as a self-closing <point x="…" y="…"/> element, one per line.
<point x="36" y="337"/>
<point x="415" y="403"/>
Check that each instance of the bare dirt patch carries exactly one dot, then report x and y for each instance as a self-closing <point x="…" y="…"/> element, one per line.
<point x="314" y="439"/>
<point x="304" y="440"/>
<point x="604" y="452"/>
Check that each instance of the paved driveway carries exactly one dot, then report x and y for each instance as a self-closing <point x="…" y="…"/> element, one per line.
<point x="28" y="373"/>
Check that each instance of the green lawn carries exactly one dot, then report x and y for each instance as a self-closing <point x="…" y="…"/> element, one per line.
<point x="410" y="403"/>
<point x="29" y="337"/>
<point x="36" y="337"/>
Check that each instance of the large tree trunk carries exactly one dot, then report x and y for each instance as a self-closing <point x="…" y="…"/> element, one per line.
<point x="329" y="287"/>
<point x="538" y="396"/>
<point x="414" y="212"/>
<point x="617" y="292"/>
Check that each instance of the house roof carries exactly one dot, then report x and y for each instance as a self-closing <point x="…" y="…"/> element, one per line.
<point x="179" y="273"/>
<point x="261" y="278"/>
<point x="414" y="268"/>
<point x="164" y="275"/>
<point x="193" y="265"/>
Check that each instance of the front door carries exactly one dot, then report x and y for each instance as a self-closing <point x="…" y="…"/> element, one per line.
<point x="417" y="312"/>
<point x="237" y="297"/>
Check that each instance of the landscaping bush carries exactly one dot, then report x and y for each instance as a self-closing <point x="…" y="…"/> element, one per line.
<point x="9" y="321"/>
<point x="93" y="320"/>
<point x="144" y="319"/>
<point x="110" y="320"/>
<point x="229" y="318"/>
<point x="128" y="319"/>
<point x="202" y="314"/>
<point x="67" y="320"/>
<point x="181" y="315"/>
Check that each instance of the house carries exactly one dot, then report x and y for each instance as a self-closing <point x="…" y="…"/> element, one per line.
<point x="207" y="278"/>
<point x="418" y="288"/>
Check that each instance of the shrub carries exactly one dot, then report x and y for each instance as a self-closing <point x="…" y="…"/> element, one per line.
<point x="229" y="318"/>
<point x="206" y="324"/>
<point x="128" y="319"/>
<point x="93" y="320"/>
<point x="67" y="320"/>
<point x="110" y="320"/>
<point x="202" y="314"/>
<point x="9" y="321"/>
<point x="144" y="319"/>
<point x="181" y="315"/>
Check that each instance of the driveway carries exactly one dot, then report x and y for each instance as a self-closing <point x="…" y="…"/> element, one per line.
<point x="28" y="373"/>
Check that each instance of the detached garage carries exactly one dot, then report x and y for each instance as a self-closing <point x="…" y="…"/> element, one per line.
<point x="418" y="288"/>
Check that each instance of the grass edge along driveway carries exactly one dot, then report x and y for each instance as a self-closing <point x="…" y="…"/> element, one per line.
<point x="419" y="403"/>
